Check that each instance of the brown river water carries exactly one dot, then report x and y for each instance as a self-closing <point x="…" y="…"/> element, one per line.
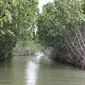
<point x="38" y="70"/>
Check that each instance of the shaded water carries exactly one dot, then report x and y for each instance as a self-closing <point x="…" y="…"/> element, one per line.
<point x="22" y="70"/>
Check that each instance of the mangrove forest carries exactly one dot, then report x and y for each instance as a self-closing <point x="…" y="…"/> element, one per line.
<point x="42" y="42"/>
<point x="59" y="28"/>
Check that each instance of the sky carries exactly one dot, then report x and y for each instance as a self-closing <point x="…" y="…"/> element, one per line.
<point x="42" y="2"/>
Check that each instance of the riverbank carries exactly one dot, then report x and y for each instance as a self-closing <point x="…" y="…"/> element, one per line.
<point x="64" y="60"/>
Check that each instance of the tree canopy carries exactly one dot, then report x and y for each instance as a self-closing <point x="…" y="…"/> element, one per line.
<point x="17" y="22"/>
<point x="60" y="26"/>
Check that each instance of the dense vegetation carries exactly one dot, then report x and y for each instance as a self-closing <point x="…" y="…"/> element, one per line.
<point x="61" y="27"/>
<point x="17" y="22"/>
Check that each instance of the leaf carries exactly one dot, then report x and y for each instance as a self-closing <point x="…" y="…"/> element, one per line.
<point x="11" y="32"/>
<point x="3" y="32"/>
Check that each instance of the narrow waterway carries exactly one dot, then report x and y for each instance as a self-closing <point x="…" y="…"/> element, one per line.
<point x="38" y="70"/>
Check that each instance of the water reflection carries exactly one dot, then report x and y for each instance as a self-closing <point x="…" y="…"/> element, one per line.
<point x="28" y="70"/>
<point x="5" y="73"/>
<point x="32" y="70"/>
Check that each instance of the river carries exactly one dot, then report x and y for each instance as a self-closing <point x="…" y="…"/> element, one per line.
<point x="38" y="70"/>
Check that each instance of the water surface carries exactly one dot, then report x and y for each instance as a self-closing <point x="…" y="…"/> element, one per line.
<point x="37" y="70"/>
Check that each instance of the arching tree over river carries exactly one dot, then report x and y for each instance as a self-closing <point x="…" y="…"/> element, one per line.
<point x="61" y="27"/>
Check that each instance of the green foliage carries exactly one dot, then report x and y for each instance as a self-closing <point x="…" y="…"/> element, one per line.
<point x="60" y="27"/>
<point x="26" y="19"/>
<point x="17" y="22"/>
<point x="56" y="18"/>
